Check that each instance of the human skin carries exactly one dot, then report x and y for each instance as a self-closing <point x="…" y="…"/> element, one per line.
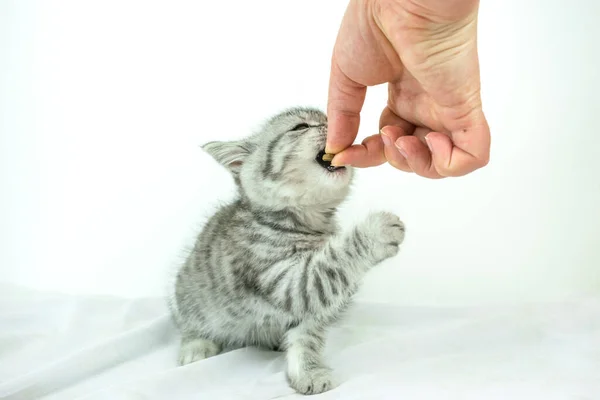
<point x="426" y="52"/>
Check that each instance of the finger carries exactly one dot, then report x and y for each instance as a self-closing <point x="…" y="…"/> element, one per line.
<point x="421" y="132"/>
<point x="344" y="104"/>
<point x="417" y="156"/>
<point x="391" y="128"/>
<point x="367" y="154"/>
<point x="468" y="150"/>
<point x="390" y="118"/>
<point x="389" y="135"/>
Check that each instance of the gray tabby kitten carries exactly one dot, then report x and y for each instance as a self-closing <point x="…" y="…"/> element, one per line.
<point x="271" y="269"/>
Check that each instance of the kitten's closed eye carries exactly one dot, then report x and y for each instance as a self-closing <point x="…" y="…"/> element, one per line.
<point x="300" y="127"/>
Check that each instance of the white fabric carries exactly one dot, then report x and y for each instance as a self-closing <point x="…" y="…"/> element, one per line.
<point x="56" y="346"/>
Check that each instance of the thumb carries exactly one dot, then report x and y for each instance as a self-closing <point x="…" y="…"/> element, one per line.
<point x="345" y="102"/>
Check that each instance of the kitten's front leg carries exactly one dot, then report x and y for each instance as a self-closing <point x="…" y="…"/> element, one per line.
<point x="377" y="238"/>
<point x="327" y="281"/>
<point x="320" y="283"/>
<point x="383" y="232"/>
<point x="306" y="371"/>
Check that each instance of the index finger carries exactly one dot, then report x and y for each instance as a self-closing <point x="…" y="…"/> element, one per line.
<point x="344" y="104"/>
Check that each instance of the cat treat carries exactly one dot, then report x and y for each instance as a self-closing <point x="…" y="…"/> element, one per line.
<point x="327" y="157"/>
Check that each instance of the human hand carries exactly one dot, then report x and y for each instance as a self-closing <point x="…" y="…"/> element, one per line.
<point x="426" y="50"/>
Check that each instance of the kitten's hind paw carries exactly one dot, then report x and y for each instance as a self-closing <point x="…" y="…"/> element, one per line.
<point x="312" y="381"/>
<point x="193" y="350"/>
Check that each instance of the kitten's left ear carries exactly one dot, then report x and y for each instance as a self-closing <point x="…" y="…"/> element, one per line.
<point x="231" y="155"/>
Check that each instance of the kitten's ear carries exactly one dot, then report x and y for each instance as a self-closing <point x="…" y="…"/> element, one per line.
<point x="231" y="155"/>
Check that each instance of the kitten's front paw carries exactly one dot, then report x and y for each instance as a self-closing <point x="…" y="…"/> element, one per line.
<point x="312" y="381"/>
<point x="197" y="349"/>
<point x="387" y="231"/>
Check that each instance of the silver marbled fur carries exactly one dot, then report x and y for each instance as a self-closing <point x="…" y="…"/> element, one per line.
<point x="272" y="269"/>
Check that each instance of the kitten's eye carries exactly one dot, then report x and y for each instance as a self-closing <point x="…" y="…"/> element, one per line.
<point x="300" y="127"/>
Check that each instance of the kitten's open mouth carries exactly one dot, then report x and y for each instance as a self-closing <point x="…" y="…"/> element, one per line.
<point x="326" y="164"/>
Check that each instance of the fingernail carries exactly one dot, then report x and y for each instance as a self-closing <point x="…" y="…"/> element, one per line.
<point x="328" y="149"/>
<point x="386" y="140"/>
<point x="428" y="143"/>
<point x="400" y="149"/>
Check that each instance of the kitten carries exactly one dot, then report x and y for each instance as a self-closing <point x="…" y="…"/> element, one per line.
<point x="271" y="268"/>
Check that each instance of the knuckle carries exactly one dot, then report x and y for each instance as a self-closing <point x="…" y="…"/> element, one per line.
<point x="484" y="160"/>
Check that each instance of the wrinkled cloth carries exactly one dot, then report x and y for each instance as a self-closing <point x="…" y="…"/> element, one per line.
<point x="56" y="346"/>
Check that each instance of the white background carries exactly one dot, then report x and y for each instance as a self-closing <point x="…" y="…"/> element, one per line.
<point x="103" y="105"/>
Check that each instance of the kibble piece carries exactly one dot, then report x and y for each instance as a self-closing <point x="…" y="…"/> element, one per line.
<point x="327" y="157"/>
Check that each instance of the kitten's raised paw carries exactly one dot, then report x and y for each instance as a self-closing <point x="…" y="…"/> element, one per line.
<point x="312" y="381"/>
<point x="387" y="230"/>
<point x="193" y="350"/>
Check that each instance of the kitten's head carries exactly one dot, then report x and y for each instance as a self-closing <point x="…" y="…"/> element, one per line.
<point x="281" y="165"/>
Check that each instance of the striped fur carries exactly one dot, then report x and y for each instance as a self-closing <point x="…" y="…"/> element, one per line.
<point x="271" y="269"/>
